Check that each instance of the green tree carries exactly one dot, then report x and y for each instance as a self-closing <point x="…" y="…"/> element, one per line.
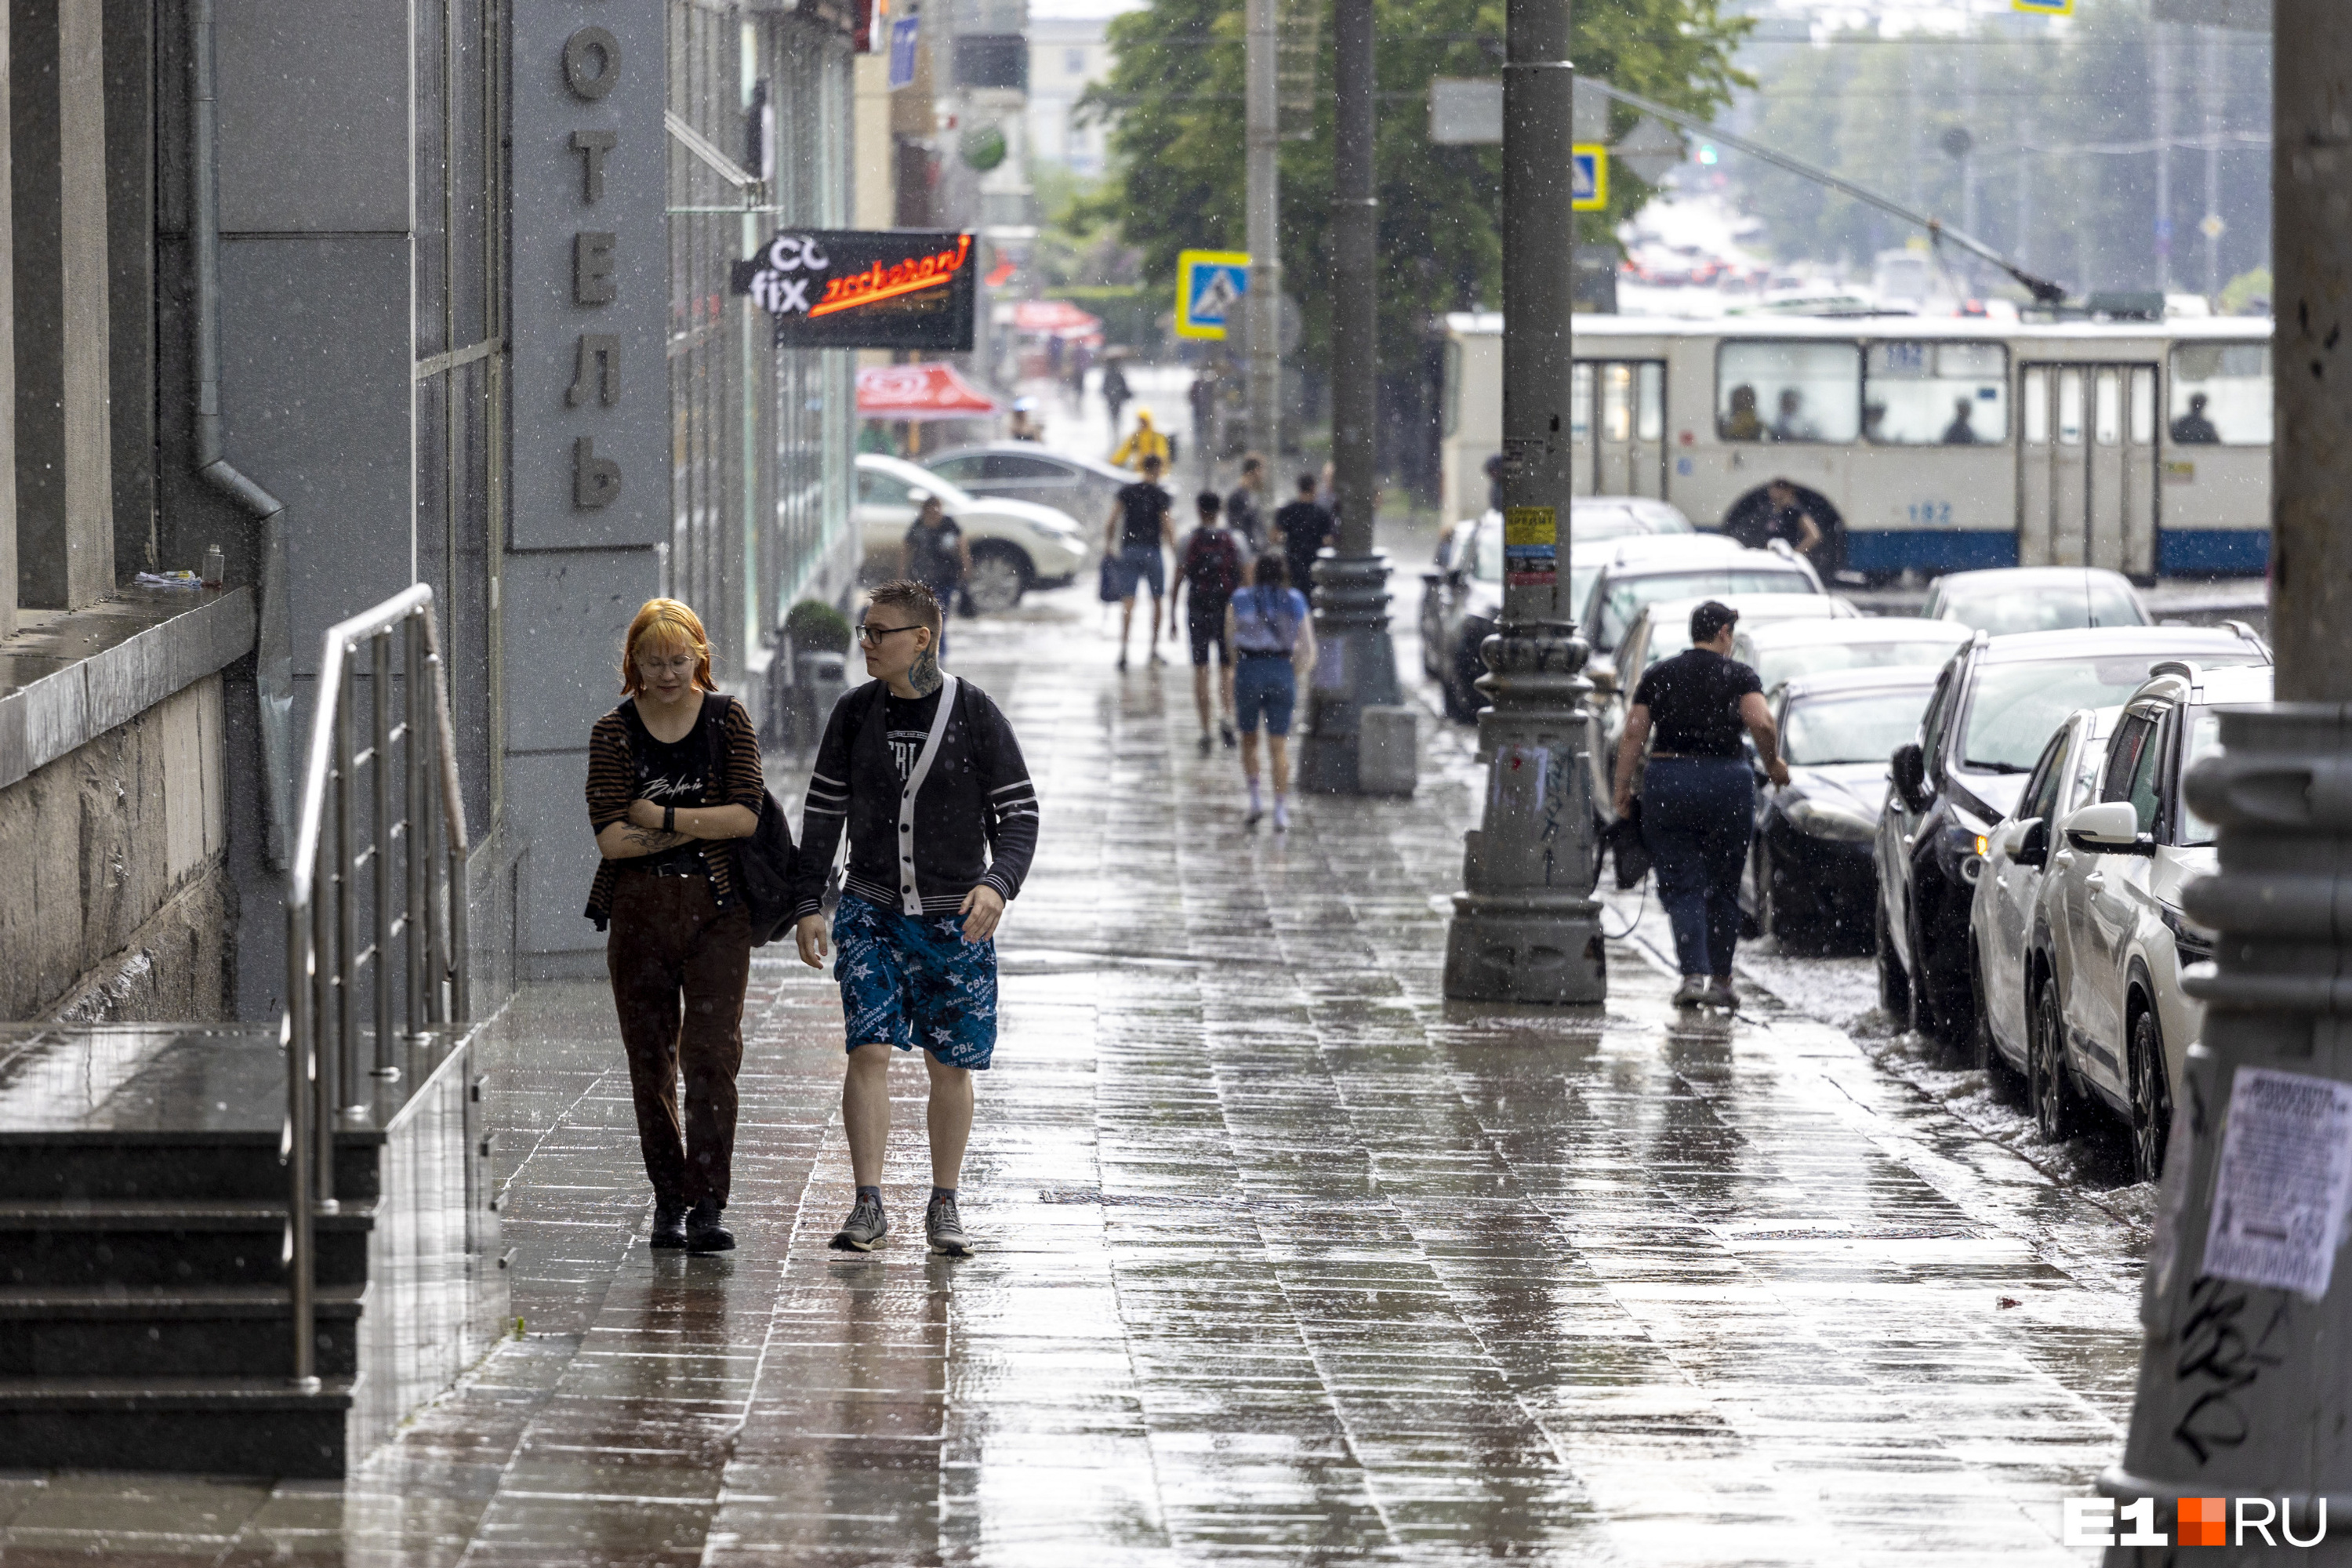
<point x="1176" y="93"/>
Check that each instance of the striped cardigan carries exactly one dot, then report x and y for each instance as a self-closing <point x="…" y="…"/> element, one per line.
<point x="612" y="785"/>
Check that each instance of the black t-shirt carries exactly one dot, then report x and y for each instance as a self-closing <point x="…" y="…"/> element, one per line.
<point x="1304" y="526"/>
<point x="908" y="721"/>
<point x="1242" y="515"/>
<point x="1143" y="506"/>
<point x="1693" y="703"/>
<point x="932" y="558"/>
<point x="674" y="773"/>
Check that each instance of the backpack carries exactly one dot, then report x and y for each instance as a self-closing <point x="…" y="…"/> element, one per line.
<point x="1212" y="564"/>
<point x="764" y="860"/>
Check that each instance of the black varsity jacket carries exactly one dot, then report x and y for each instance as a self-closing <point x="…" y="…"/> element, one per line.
<point x="967" y="815"/>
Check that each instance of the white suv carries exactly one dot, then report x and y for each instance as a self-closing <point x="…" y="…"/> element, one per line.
<point x="2111" y="902"/>
<point x="1016" y="545"/>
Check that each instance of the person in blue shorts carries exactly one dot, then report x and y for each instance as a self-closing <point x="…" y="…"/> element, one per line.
<point x="1267" y="628"/>
<point x="1140" y="524"/>
<point x="923" y="772"/>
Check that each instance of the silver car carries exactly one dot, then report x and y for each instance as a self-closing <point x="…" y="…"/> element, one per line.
<point x="1016" y="545"/>
<point x="1081" y="489"/>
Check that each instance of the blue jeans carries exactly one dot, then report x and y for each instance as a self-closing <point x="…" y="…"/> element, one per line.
<point x="1697" y="814"/>
<point x="1266" y="689"/>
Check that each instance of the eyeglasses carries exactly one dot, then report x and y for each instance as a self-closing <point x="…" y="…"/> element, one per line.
<point x="871" y="635"/>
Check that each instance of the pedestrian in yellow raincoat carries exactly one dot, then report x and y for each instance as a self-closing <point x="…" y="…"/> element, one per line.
<point x="1145" y="442"/>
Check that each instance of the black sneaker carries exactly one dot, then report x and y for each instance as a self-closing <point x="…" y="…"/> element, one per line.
<point x="703" y="1231"/>
<point x="1226" y="734"/>
<point x="864" y="1229"/>
<point x="670" y="1226"/>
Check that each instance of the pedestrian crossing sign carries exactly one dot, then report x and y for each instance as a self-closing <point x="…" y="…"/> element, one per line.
<point x="1209" y="289"/>
<point x="1588" y="162"/>
<point x="2044" y="7"/>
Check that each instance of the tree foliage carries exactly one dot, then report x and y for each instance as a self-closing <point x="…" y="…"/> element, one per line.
<point x="1176" y="94"/>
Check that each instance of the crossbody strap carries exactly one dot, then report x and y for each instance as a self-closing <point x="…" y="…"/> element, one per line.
<point x="910" y="894"/>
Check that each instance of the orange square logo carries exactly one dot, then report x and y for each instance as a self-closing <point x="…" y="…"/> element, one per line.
<point x="2204" y="1522"/>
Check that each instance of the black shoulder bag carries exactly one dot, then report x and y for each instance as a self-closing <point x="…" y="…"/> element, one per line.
<point x="764" y="862"/>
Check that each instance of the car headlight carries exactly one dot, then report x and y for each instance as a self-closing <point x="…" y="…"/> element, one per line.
<point x="1826" y="820"/>
<point x="2193" y="943"/>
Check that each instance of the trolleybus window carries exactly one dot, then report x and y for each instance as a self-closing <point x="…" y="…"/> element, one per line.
<point x="2220" y="395"/>
<point x="1930" y="395"/>
<point x="1788" y="392"/>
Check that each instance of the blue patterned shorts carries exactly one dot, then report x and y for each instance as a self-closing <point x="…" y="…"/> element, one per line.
<point x="910" y="979"/>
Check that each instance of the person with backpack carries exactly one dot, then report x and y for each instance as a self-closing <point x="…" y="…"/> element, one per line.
<point x="1208" y="570"/>
<point x="923" y="774"/>
<point x="1267" y="624"/>
<point x="674" y="791"/>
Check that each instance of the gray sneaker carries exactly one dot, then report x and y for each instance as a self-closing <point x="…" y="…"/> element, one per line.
<point x="864" y="1229"/>
<point x="1692" y="992"/>
<point x="944" y="1226"/>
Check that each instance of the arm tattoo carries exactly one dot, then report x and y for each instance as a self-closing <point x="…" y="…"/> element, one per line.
<point x="925" y="678"/>
<point x="650" y="841"/>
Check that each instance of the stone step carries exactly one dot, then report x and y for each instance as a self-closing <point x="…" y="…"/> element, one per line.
<point x="231" y="1330"/>
<point x="192" y="1245"/>
<point x="213" y="1426"/>
<point x="170" y="1164"/>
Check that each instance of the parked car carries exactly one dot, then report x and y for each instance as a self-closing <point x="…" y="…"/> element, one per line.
<point x="1633" y="573"/>
<point x="2006" y="930"/>
<point x="1461" y="596"/>
<point x="2111" y="905"/>
<point x="1081" y="489"/>
<point x="2009" y="599"/>
<point x="1995" y="705"/>
<point x="1789" y="650"/>
<point x="1016" y="545"/>
<point x="1809" y="880"/>
<point x="1662" y="629"/>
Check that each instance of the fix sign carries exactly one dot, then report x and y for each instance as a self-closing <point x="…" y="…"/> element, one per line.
<point x="1210" y="285"/>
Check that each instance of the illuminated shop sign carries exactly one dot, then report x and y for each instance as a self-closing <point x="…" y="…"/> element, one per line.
<point x="865" y="289"/>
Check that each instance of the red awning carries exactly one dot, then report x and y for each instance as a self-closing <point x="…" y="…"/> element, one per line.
<point x="1058" y="317"/>
<point x="919" y="391"/>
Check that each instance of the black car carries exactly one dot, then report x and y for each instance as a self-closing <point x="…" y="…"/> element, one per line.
<point x="1994" y="708"/>
<point x="1811" y="880"/>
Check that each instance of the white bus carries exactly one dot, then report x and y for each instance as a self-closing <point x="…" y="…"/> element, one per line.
<point x="1941" y="442"/>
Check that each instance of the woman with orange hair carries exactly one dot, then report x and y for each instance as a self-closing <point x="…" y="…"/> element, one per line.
<point x="673" y="779"/>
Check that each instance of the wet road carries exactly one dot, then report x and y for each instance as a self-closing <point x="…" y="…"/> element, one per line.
<point x="1284" y="1260"/>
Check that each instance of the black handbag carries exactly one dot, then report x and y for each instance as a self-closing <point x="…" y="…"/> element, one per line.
<point x="1626" y="848"/>
<point x="764" y="861"/>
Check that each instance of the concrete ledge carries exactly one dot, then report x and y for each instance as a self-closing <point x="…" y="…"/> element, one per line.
<point x="69" y="677"/>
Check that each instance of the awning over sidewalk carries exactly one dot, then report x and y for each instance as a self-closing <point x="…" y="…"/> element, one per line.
<point x="920" y="391"/>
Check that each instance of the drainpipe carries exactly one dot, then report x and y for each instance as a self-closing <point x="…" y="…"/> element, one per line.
<point x="274" y="657"/>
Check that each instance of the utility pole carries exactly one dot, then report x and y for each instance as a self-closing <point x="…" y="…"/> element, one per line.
<point x="1262" y="302"/>
<point x="2161" y="49"/>
<point x="1356" y="669"/>
<point x="2242" y="1385"/>
<point x="1526" y="928"/>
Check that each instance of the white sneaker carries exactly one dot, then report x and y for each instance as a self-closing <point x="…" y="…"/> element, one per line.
<point x="1282" y="816"/>
<point x="1692" y="992"/>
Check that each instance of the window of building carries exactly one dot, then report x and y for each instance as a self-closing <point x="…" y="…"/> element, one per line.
<point x="1074" y="62"/>
<point x="1932" y="395"/>
<point x="2220" y="395"/>
<point x="1788" y="392"/>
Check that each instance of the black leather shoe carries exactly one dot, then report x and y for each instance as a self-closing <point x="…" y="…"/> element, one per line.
<point x="669" y="1225"/>
<point x="703" y="1231"/>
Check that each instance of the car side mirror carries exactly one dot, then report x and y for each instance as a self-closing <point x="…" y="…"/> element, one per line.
<point x="2109" y="828"/>
<point x="1910" y="768"/>
<point x="2032" y="846"/>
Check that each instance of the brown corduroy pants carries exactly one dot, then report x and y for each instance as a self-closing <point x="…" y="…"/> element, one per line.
<point x="671" y="946"/>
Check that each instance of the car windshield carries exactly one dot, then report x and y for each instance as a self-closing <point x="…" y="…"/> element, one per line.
<point x="2016" y="706"/>
<point x="1865" y="727"/>
<point x="1628" y="595"/>
<point x="1776" y="665"/>
<point x="2204" y="735"/>
<point x="2050" y="608"/>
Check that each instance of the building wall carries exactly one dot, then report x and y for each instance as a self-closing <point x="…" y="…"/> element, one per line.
<point x="120" y="901"/>
<point x="1067" y="56"/>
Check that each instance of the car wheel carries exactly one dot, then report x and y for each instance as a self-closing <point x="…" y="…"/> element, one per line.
<point x="1464" y="701"/>
<point x="2046" y="1090"/>
<point x="1925" y="1015"/>
<point x="1893" y="985"/>
<point x="2151" y="1099"/>
<point x="999" y="577"/>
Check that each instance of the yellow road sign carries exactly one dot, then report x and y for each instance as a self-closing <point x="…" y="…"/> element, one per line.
<point x="2044" y="7"/>
<point x="1210" y="285"/>
<point x="1591" y="178"/>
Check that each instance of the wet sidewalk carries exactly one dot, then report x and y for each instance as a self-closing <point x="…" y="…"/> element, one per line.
<point x="1284" y="1260"/>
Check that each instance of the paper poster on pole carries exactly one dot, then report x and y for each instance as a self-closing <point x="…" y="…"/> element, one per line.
<point x="2286" y="1169"/>
<point x="1530" y="547"/>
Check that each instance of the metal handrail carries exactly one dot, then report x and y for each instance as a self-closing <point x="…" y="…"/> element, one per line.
<point x="324" y="958"/>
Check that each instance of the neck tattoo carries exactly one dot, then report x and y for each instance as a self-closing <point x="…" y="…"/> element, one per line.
<point x="925" y="678"/>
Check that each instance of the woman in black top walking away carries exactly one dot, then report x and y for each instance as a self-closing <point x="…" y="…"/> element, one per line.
<point x="673" y="780"/>
<point x="939" y="557"/>
<point x="1698" y="794"/>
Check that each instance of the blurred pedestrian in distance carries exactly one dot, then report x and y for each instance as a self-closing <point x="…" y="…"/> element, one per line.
<point x="1327" y="491"/>
<point x="1140" y="524"/>
<point x="1783" y="515"/>
<point x="1272" y="640"/>
<point x="2192" y="428"/>
<point x="1495" y="483"/>
<point x="1144" y="441"/>
<point x="1115" y="394"/>
<point x="1960" y="432"/>
<point x="1743" y="423"/>
<point x="1074" y="379"/>
<point x="673" y="780"/>
<point x="1792" y="425"/>
<point x="1026" y="425"/>
<point x="1208" y="570"/>
<point x="923" y="774"/>
<point x="1300" y="528"/>
<point x="1698" y="794"/>
<point x="938" y="556"/>
<point x="1243" y="507"/>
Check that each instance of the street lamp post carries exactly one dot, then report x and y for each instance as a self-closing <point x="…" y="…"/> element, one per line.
<point x="1261" y="302"/>
<point x="1356" y="668"/>
<point x="2247" y="1302"/>
<point x="1526" y="928"/>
